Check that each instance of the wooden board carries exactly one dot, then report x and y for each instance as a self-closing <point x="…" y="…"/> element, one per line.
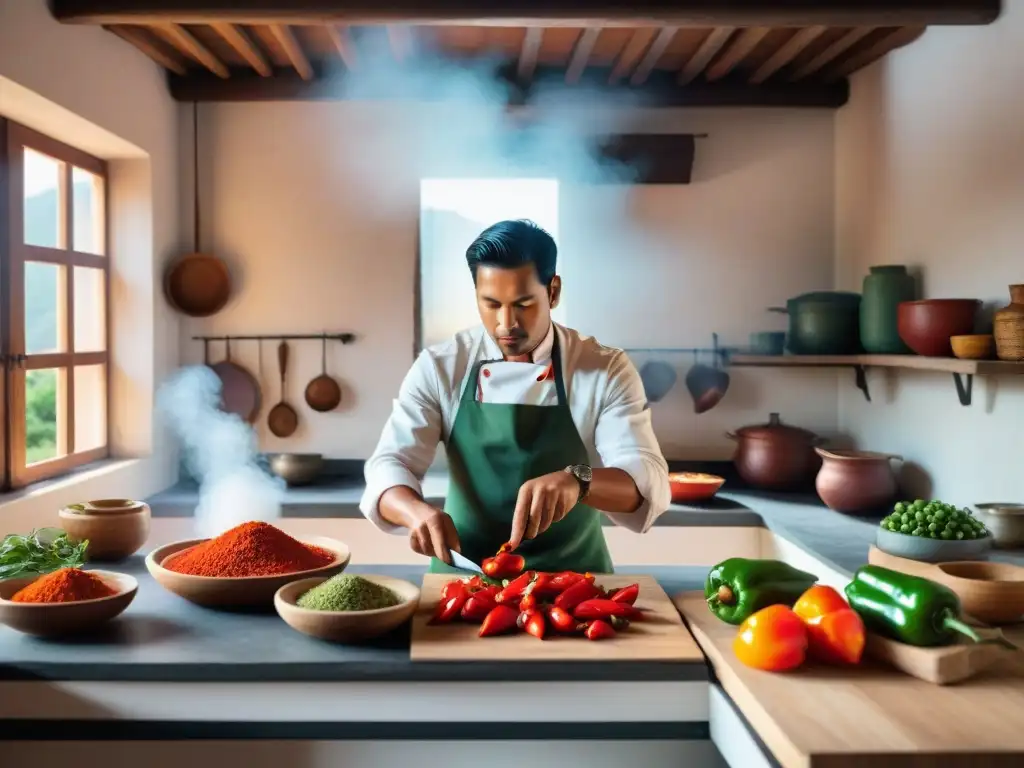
<point x="943" y="666"/>
<point x="660" y="637"/>
<point x="839" y="718"/>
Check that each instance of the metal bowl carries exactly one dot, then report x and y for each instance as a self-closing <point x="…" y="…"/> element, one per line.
<point x="1005" y="520"/>
<point x="296" y="468"/>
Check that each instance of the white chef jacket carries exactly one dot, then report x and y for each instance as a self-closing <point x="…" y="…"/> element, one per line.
<point x="606" y="399"/>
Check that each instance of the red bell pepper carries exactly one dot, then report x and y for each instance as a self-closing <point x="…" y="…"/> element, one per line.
<point x="576" y="594"/>
<point x="501" y="620"/>
<point x="503" y="565"/>
<point x="626" y="594"/>
<point x="835" y="632"/>
<point x="515" y="589"/>
<point x="601" y="609"/>
<point x="599" y="630"/>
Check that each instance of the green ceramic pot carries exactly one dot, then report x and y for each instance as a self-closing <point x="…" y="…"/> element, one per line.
<point x="884" y="288"/>
<point x="823" y="323"/>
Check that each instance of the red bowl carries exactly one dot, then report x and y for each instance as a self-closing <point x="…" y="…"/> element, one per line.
<point x="925" y="326"/>
<point x="693" y="486"/>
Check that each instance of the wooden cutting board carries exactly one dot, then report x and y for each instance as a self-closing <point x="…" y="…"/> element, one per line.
<point x="660" y="637"/>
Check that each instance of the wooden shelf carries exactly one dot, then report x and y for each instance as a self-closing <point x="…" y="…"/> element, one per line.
<point x="958" y="368"/>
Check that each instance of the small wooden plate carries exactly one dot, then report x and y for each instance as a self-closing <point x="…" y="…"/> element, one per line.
<point x="347" y="626"/>
<point x="241" y="591"/>
<point x="55" y="619"/>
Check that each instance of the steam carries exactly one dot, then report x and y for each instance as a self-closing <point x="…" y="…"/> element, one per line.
<point x="220" y="452"/>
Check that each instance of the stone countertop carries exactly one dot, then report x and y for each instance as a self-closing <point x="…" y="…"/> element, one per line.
<point x="163" y="638"/>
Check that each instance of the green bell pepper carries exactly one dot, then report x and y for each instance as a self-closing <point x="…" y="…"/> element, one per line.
<point x="905" y="608"/>
<point x="737" y="588"/>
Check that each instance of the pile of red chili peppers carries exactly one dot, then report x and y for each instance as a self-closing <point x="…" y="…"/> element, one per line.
<point x="536" y="602"/>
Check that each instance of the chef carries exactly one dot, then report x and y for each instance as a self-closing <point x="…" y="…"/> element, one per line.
<point x="544" y="429"/>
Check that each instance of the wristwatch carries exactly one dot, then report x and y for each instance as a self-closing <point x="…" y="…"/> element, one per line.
<point x="583" y="474"/>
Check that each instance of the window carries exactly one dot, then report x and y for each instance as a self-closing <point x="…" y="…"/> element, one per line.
<point x="53" y="326"/>
<point x="452" y="213"/>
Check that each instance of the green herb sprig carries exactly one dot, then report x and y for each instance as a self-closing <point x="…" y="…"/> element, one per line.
<point x="41" y="551"/>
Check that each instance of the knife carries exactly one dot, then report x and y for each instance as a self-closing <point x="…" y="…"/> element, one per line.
<point x="464" y="562"/>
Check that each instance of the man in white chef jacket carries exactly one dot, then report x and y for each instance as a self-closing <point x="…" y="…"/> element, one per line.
<point x="545" y="429"/>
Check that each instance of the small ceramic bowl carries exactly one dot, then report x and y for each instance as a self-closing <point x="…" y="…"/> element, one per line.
<point x="974" y="346"/>
<point x="115" y="528"/>
<point x="56" y="619"/>
<point x="693" y="486"/>
<point x="237" y="592"/>
<point x="1005" y="520"/>
<point x="990" y="592"/>
<point x="931" y="550"/>
<point x="347" y="626"/>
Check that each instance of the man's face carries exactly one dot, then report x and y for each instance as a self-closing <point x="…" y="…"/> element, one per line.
<point x="515" y="307"/>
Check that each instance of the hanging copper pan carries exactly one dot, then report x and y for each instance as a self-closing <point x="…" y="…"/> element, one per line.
<point x="241" y="392"/>
<point x="197" y="284"/>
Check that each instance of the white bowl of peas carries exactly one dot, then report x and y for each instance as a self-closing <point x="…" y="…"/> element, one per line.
<point x="933" y="532"/>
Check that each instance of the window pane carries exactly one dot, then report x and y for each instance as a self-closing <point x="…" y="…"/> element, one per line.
<point x="87" y="194"/>
<point x="44" y="308"/>
<point x="43" y="200"/>
<point x="90" y="407"/>
<point x="44" y="414"/>
<point x="90" y="310"/>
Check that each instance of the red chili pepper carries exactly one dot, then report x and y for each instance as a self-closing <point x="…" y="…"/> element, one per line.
<point x="576" y="594"/>
<point x="601" y="609"/>
<point x="564" y="580"/>
<point x="599" y="630"/>
<point x="448" y="609"/>
<point x="515" y="589"/>
<point x="500" y="620"/>
<point x="561" y="619"/>
<point x="449" y="590"/>
<point x="477" y="607"/>
<point x="626" y="594"/>
<point x="541" y="586"/>
<point x="503" y="565"/>
<point x="528" y="602"/>
<point x="535" y="625"/>
<point x="506" y="547"/>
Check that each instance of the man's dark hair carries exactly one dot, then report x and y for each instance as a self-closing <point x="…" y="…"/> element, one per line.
<point x="511" y="244"/>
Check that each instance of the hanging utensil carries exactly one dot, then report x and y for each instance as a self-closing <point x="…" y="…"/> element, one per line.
<point x="198" y="284"/>
<point x="240" y="393"/>
<point x="707" y="384"/>
<point x="323" y="393"/>
<point x="283" y="420"/>
<point x="658" y="379"/>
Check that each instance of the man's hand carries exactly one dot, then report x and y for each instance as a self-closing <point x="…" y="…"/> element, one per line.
<point x="542" y="502"/>
<point x="432" y="533"/>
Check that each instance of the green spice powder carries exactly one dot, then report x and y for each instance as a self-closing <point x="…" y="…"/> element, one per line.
<point x="346" y="592"/>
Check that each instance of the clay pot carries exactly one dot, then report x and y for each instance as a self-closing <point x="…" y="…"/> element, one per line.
<point x="114" y="528"/>
<point x="925" y="326"/>
<point x="775" y="456"/>
<point x="856" y="481"/>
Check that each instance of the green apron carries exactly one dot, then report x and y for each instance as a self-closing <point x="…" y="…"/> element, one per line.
<point x="492" y="450"/>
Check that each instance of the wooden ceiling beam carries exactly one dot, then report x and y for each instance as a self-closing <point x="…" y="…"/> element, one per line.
<point x="706" y="13"/>
<point x="712" y="44"/>
<point x="834" y="50"/>
<point x="895" y="39"/>
<point x="631" y="54"/>
<point x="292" y="50"/>
<point x="182" y="39"/>
<point x="654" y="53"/>
<point x="581" y="54"/>
<point x="528" y="55"/>
<point x="789" y="51"/>
<point x="737" y="51"/>
<point x="151" y="46"/>
<point x="343" y="44"/>
<point x="244" y="46"/>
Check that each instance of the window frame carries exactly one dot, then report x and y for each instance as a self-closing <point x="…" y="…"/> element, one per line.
<point x="13" y="257"/>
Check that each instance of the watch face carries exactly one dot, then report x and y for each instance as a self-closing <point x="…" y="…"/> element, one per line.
<point x="583" y="472"/>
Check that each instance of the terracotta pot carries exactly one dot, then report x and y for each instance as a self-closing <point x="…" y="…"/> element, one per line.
<point x="925" y="326"/>
<point x="856" y="481"/>
<point x="775" y="456"/>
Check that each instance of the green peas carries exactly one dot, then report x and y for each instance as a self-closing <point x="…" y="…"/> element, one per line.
<point x="933" y="519"/>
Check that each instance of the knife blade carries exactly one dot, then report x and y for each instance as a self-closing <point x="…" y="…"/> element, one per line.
<point x="464" y="562"/>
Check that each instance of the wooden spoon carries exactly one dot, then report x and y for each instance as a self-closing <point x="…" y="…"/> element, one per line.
<point x="283" y="420"/>
<point x="323" y="393"/>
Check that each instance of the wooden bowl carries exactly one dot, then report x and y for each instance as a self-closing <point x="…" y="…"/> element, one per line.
<point x="237" y="592"/>
<point x="693" y="486"/>
<point x="931" y="550"/>
<point x="990" y="592"/>
<point x="115" y="528"/>
<point x="56" y="619"/>
<point x="347" y="626"/>
<point x="975" y="346"/>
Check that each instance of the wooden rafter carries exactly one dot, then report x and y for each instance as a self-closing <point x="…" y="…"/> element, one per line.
<point x="737" y="51"/>
<point x="292" y="50"/>
<point x="632" y="53"/>
<point x="581" y="54"/>
<point x="343" y="44"/>
<point x="708" y="13"/>
<point x="182" y="39"/>
<point x="787" y="53"/>
<point x="895" y="39"/>
<point x="834" y="51"/>
<point x="244" y="46"/>
<point x="712" y="44"/>
<point x="532" y="42"/>
<point x="150" y="46"/>
<point x="654" y="53"/>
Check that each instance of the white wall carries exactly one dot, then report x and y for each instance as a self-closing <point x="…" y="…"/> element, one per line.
<point x="88" y="88"/>
<point x="315" y="205"/>
<point x="930" y="173"/>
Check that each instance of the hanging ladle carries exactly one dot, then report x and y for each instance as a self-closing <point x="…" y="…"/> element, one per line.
<point x="282" y="419"/>
<point x="323" y="393"/>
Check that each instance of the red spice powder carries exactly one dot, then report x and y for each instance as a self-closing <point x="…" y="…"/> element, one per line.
<point x="64" y="586"/>
<point x="250" y="549"/>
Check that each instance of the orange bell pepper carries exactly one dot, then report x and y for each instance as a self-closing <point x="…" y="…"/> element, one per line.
<point x="773" y="639"/>
<point x="836" y="632"/>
